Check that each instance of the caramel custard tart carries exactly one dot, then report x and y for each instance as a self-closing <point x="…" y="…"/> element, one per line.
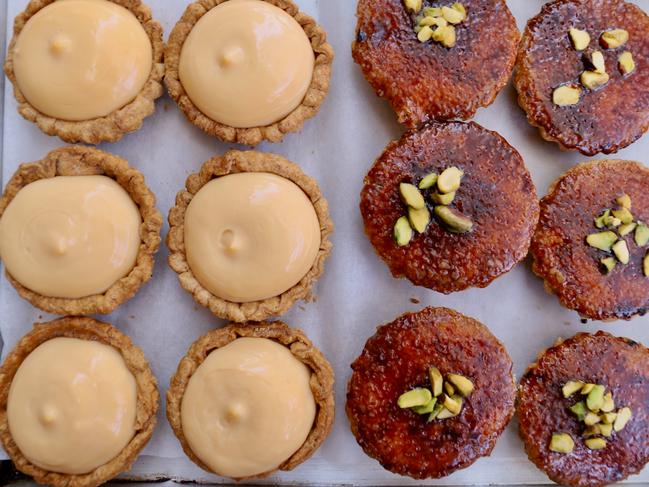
<point x="248" y="70"/>
<point x="78" y="231"/>
<point x="64" y="431"/>
<point x="250" y="399"/>
<point x="86" y="70"/>
<point x="249" y="235"/>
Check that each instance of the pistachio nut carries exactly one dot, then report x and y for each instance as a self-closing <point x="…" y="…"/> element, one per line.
<point x="566" y="95"/>
<point x="612" y="39"/>
<point x="579" y="409"/>
<point x="419" y="219"/>
<point x="624" y="201"/>
<point x="645" y="265"/>
<point x="623" y="214"/>
<point x="595" y="398"/>
<point x="608" y="264"/>
<point x="402" y="231"/>
<point x="591" y="418"/>
<point x="601" y="221"/>
<point x="587" y="388"/>
<point x="433" y="12"/>
<point x="413" y="5"/>
<point x="626" y="63"/>
<point x="450" y="180"/>
<point x="641" y="235"/>
<point x="428" y="181"/>
<point x="411" y="196"/>
<point x="445" y="414"/>
<point x="621" y="251"/>
<point x="415" y="397"/>
<point x="463" y="385"/>
<point x="452" y="404"/>
<point x="436" y="380"/>
<point x="580" y="38"/>
<point x="425" y="34"/>
<point x="570" y="387"/>
<point x="449" y="389"/>
<point x="609" y="404"/>
<point x="453" y="220"/>
<point x="598" y="62"/>
<point x="609" y="418"/>
<point x="593" y="80"/>
<point x="562" y="443"/>
<point x="452" y="15"/>
<point x="595" y="443"/>
<point x="606" y="430"/>
<point x="426" y="408"/>
<point x="626" y="229"/>
<point x="602" y="241"/>
<point x="445" y="35"/>
<point x="623" y="417"/>
<point x="591" y="431"/>
<point x="436" y="410"/>
<point x="443" y="199"/>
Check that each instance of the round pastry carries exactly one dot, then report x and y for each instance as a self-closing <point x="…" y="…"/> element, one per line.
<point x="249" y="235"/>
<point x="78" y="231"/>
<point x="450" y="206"/>
<point x="597" y="380"/>
<point x="86" y="70"/>
<point x="435" y="60"/>
<point x="248" y="70"/>
<point x="250" y="399"/>
<point x="582" y="74"/>
<point x="78" y="402"/>
<point x="430" y="393"/>
<point x="591" y="244"/>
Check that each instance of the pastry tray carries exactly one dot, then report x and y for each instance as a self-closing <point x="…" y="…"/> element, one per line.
<point x="356" y="292"/>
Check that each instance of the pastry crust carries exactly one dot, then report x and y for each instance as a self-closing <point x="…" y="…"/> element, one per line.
<point x="86" y="161"/>
<point x="147" y="397"/>
<point x="236" y="162"/>
<point x="322" y="382"/>
<point x="115" y="125"/>
<point x="315" y="95"/>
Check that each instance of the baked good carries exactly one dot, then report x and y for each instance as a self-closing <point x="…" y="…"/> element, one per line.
<point x="556" y="402"/>
<point x="249" y="235"/>
<point x="86" y="71"/>
<point x="574" y="103"/>
<point x="423" y="354"/>
<point x="272" y="71"/>
<point x="595" y="262"/>
<point x="67" y="431"/>
<point x="483" y="186"/>
<point x="419" y="72"/>
<point x="78" y="231"/>
<point x="250" y="399"/>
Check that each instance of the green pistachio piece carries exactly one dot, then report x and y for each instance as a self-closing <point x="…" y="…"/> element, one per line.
<point x="595" y="398"/>
<point x="621" y="251"/>
<point x="570" y="387"/>
<point x="598" y="62"/>
<point x="416" y="397"/>
<point x="453" y="16"/>
<point x="453" y="220"/>
<point x="413" y="5"/>
<point x="430" y="21"/>
<point x="580" y="38"/>
<point x="623" y="417"/>
<point x="450" y="180"/>
<point x="587" y="388"/>
<point x="411" y="196"/>
<point x="449" y="389"/>
<point x="436" y="410"/>
<point x="609" y="418"/>
<point x="433" y="12"/>
<point x="561" y="443"/>
<point x="402" y="231"/>
<point x="419" y="219"/>
<point x="612" y="39"/>
<point x="600" y="221"/>
<point x="463" y="385"/>
<point x="624" y="201"/>
<point x="626" y="229"/>
<point x="625" y="62"/>
<point x="591" y="431"/>
<point x="452" y="404"/>
<point x="428" y="181"/>
<point x="595" y="443"/>
<point x="459" y="7"/>
<point x="436" y="380"/>
<point x="425" y="33"/>
<point x="641" y="235"/>
<point x="443" y="199"/>
<point x="645" y="265"/>
<point x="579" y="410"/>
<point x="608" y="264"/>
<point x="609" y="404"/>
<point x="623" y="214"/>
<point x="601" y="240"/>
<point x="591" y="418"/>
<point x="426" y="408"/>
<point x="606" y="430"/>
<point x="445" y="414"/>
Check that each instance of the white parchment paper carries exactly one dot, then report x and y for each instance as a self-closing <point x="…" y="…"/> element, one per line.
<point x="356" y="293"/>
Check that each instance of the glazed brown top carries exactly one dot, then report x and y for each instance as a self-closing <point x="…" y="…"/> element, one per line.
<point x="605" y="120"/>
<point x="396" y="359"/>
<point x="569" y="266"/>
<point x="619" y="364"/>
<point x="497" y="193"/>
<point x="426" y="81"/>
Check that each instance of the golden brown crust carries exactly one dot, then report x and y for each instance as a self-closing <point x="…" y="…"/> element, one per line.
<point x="115" y="125"/>
<point x="147" y="397"/>
<point x="236" y="162"/>
<point x="568" y="266"/>
<point x="322" y="382"/>
<point x="315" y="95"/>
<point x="84" y="161"/>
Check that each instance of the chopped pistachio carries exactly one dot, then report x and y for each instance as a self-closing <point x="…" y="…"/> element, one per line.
<point x="623" y="214"/>
<point x="450" y="180"/>
<point x="601" y="241"/>
<point x="561" y="443"/>
<point x="570" y="387"/>
<point x="445" y="35"/>
<point x="425" y="34"/>
<point x="593" y="80"/>
<point x="449" y="389"/>
<point x="608" y="264"/>
<point x="595" y="398"/>
<point x="460" y="8"/>
<point x="436" y="380"/>
<point x="598" y="62"/>
<point x="411" y="196"/>
<point x="452" y="404"/>
<point x="443" y="199"/>
<point x="445" y="414"/>
<point x="613" y="222"/>
<point x="413" y="5"/>
<point x="645" y="265"/>
<point x="627" y="228"/>
<point x="612" y="39"/>
<point x="626" y="63"/>
<point x="436" y="410"/>
<point x="591" y="418"/>
<point x="452" y="15"/>
<point x="606" y="430"/>
<point x="595" y="443"/>
<point x="428" y="181"/>
<point x="566" y="95"/>
<point x="580" y="38"/>
<point x="609" y="418"/>
<point x="463" y="385"/>
<point x="586" y="389"/>
<point x="426" y="408"/>
<point x="579" y="410"/>
<point x="402" y="231"/>
<point x="433" y="12"/>
<point x="641" y="235"/>
<point x="621" y="251"/>
<point x="591" y="431"/>
<point x="436" y="21"/>
<point x="624" y="201"/>
<point x="415" y="397"/>
<point x="609" y="404"/>
<point x="623" y="417"/>
<point x="419" y="219"/>
<point x="600" y="221"/>
<point x="453" y="220"/>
